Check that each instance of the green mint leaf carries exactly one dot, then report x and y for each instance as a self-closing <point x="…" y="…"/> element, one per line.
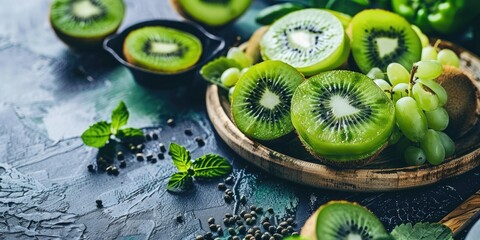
<point x="180" y="157"/>
<point x="422" y="231"/>
<point x="129" y="132"/>
<point x="362" y="2"/>
<point x="210" y="166"/>
<point x="97" y="135"/>
<point x="213" y="70"/>
<point x="180" y="182"/>
<point x="119" y="117"/>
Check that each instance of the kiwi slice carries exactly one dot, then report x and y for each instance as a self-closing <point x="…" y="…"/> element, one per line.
<point x="380" y="37"/>
<point x="261" y="100"/>
<point x="342" y="116"/>
<point x="162" y="49"/>
<point x="211" y="12"/>
<point x="346" y="220"/>
<point x="311" y="40"/>
<point x="86" y="21"/>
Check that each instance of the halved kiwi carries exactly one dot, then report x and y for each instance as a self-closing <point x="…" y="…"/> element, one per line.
<point x="213" y="13"/>
<point x="311" y="40"/>
<point x="342" y="117"/>
<point x="380" y="37"/>
<point x="343" y="220"/>
<point x="261" y="100"/>
<point x="86" y="22"/>
<point x="162" y="49"/>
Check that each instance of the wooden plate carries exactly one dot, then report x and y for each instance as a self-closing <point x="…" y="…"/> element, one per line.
<point x="385" y="174"/>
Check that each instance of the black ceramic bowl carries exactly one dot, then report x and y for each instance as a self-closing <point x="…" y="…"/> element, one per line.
<point x="212" y="46"/>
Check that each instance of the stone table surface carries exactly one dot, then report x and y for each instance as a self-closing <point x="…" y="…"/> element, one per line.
<point x="50" y="94"/>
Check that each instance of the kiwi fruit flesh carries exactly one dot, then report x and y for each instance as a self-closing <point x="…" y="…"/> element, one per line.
<point x="213" y="13"/>
<point x="85" y="23"/>
<point x="342" y="117"/>
<point x="162" y="49"/>
<point x="261" y="100"/>
<point x="311" y="40"/>
<point x="343" y="220"/>
<point x="380" y="37"/>
<point x="463" y="100"/>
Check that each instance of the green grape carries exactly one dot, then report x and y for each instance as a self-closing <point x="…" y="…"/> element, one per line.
<point x="410" y="119"/>
<point x="397" y="74"/>
<point x="230" y="77"/>
<point x="447" y="143"/>
<point x="428" y="69"/>
<point x="429" y="53"/>
<point x="437" y="89"/>
<point x="448" y="57"/>
<point x="426" y="100"/>
<point x="414" y="156"/>
<point x="433" y="147"/>
<point x="437" y="119"/>
<point x="230" y="93"/>
<point x="376" y="73"/>
<point x="400" y="90"/>
<point x="243" y="71"/>
<point x="240" y="57"/>
<point x="395" y="136"/>
<point x="423" y="38"/>
<point x="402" y="145"/>
<point x="385" y="86"/>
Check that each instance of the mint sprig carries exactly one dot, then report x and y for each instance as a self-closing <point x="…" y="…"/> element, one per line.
<point x="422" y="231"/>
<point x="100" y="133"/>
<point x="207" y="166"/>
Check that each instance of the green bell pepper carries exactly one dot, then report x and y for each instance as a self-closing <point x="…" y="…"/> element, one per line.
<point x="441" y="16"/>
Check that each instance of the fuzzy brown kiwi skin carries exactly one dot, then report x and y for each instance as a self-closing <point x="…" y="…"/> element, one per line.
<point x="345" y="164"/>
<point x="178" y="8"/>
<point x="463" y="100"/>
<point x="77" y="42"/>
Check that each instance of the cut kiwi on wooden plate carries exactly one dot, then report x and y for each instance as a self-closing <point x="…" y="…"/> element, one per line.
<point x="343" y="220"/>
<point x="85" y="23"/>
<point x="380" y="37"/>
<point x="162" y="49"/>
<point x="311" y="40"/>
<point x="212" y="13"/>
<point x="261" y="100"/>
<point x="342" y="117"/>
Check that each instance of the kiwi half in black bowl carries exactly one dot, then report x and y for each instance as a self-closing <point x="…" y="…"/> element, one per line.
<point x="211" y="47"/>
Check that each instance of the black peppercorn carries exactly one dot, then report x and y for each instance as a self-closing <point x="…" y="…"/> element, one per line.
<point x="162" y="147"/>
<point x="155" y="136"/>
<point x="90" y="168"/>
<point x="221" y="186"/>
<point x="171" y="122"/>
<point x="123" y="164"/>
<point x="188" y="132"/>
<point x="139" y="157"/>
<point x="200" y="141"/>
<point x="161" y="156"/>
<point x="229" y="180"/>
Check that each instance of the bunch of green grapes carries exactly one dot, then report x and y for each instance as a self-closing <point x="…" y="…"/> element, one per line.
<point x="419" y="111"/>
<point x="429" y="52"/>
<point x="231" y="75"/>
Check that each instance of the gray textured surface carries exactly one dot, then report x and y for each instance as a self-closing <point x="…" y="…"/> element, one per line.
<point x="50" y="94"/>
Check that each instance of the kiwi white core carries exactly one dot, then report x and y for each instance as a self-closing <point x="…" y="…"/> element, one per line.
<point x="353" y="236"/>
<point x="341" y="107"/>
<point x="301" y="39"/>
<point x="85" y="9"/>
<point x="269" y="99"/>
<point x="386" y="46"/>
<point x="159" y="47"/>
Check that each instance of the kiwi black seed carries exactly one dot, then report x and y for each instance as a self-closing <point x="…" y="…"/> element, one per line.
<point x="344" y="220"/>
<point x="342" y="117"/>
<point x="311" y="40"/>
<point x="262" y="98"/>
<point x="380" y="37"/>
<point x="85" y="23"/>
<point x="162" y="49"/>
<point x="213" y="13"/>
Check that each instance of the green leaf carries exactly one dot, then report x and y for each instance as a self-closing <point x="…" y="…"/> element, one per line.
<point x="129" y="132"/>
<point x="362" y="2"/>
<point x="119" y="116"/>
<point x="179" y="182"/>
<point x="97" y="135"/>
<point x="210" y="166"/>
<point x="213" y="70"/>
<point x="180" y="157"/>
<point x="422" y="231"/>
